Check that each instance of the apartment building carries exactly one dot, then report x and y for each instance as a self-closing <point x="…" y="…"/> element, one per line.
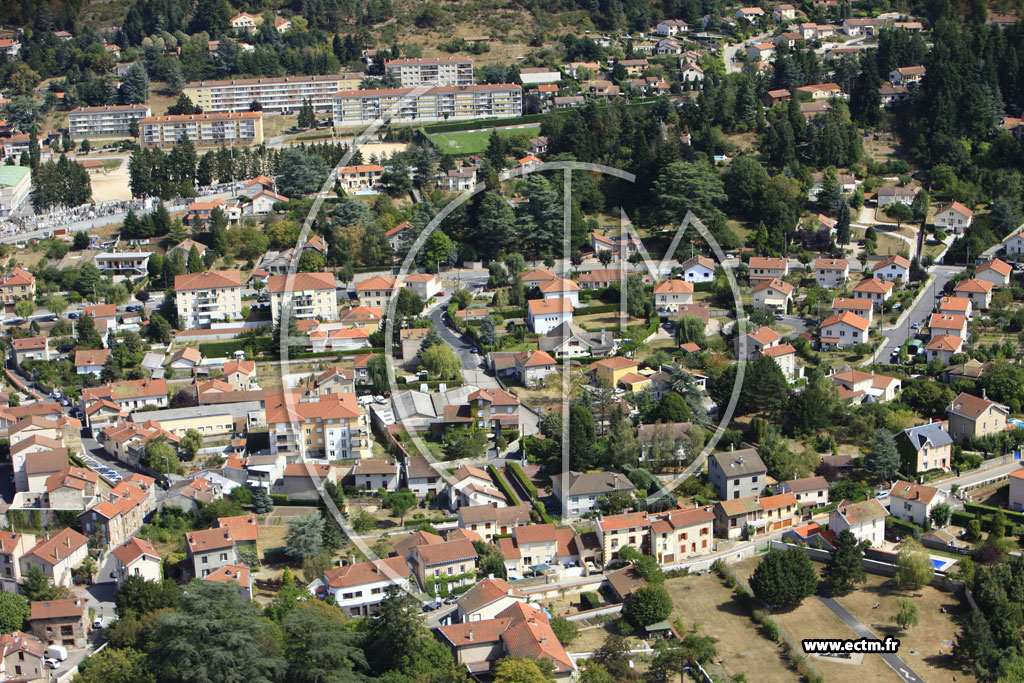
<point x="204" y="298"/>
<point x="12" y="547"/>
<point x="614" y="532"/>
<point x="15" y="184"/>
<point x="105" y="122"/>
<point x="128" y="263"/>
<point x="330" y="427"/>
<point x="284" y="95"/>
<point x="204" y="130"/>
<point x="682" y="534"/>
<point x="737" y="474"/>
<point x="359" y="107"/>
<point x="310" y="295"/>
<point x="16" y="284"/>
<point x="445" y="71"/>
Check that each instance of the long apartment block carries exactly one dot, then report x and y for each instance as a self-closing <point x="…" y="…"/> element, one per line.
<point x="105" y="122"/>
<point x="354" y="107"/>
<point x="204" y="130"/>
<point x="445" y="71"/>
<point x="274" y="94"/>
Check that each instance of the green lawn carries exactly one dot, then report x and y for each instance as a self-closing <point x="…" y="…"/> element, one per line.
<point x="474" y="142"/>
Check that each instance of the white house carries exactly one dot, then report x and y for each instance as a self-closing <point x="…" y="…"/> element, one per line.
<point x="1014" y="244"/>
<point x="954" y="216"/>
<point x="136" y="557"/>
<point x="760" y="51"/>
<point x="698" y="269"/>
<point x="670" y="294"/>
<point x="893" y="268"/>
<point x="998" y="272"/>
<point x="545" y="315"/>
<point x="670" y="27"/>
<point x="943" y="346"/>
<point x="91" y="362"/>
<point x="359" y="588"/>
<point x="866" y="520"/>
<point x="755" y="342"/>
<point x="947" y="323"/>
<point x="890" y="195"/>
<point x="831" y="273"/>
<point x="874" y="289"/>
<point x="1016" y="501"/>
<point x="906" y="75"/>
<point x="372" y="474"/>
<point x="561" y="287"/>
<point x="425" y="285"/>
<point x="810" y="491"/>
<point x="773" y="295"/>
<point x="913" y="502"/>
<point x="844" y="329"/>
<point x="766" y="268"/>
<point x="979" y="291"/>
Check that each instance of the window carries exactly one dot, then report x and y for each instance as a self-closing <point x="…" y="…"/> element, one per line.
<point x="206" y="560"/>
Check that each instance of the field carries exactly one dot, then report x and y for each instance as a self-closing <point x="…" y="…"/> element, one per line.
<point x="926" y="647"/>
<point x="475" y="142"/>
<point x="706" y="601"/>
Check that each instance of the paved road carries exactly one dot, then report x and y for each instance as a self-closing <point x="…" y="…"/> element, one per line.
<point x="462" y="346"/>
<point x="893" y="661"/>
<point x="895" y="337"/>
<point x="730" y="52"/>
<point x="975" y="476"/>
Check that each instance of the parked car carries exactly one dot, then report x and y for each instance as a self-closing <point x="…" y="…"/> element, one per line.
<point x="431" y="606"/>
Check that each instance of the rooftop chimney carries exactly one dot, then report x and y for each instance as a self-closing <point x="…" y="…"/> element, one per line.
<point x="984" y="394"/>
<point x="543" y="640"/>
<point x="471" y="634"/>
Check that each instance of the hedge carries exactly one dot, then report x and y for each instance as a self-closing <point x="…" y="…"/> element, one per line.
<point x="600" y="308"/>
<point x="590" y="600"/>
<point x="279" y="498"/>
<point x="961" y="518"/>
<point x="898" y="526"/>
<point x="523" y="479"/>
<point x="986" y="510"/>
<point x="503" y="485"/>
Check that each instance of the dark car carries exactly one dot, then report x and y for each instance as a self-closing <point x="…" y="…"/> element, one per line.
<point x="73" y="316"/>
<point x="431" y="606"/>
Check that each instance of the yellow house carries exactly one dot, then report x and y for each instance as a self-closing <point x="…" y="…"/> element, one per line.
<point x="612" y="370"/>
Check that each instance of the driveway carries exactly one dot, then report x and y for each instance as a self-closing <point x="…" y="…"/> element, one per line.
<point x="894" y="337"/>
<point x="462" y="346"/>
<point x="895" y="663"/>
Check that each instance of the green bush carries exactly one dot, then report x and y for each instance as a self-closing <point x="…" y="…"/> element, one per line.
<point x="524" y="481"/>
<point x="590" y="600"/>
<point x="279" y="498"/>
<point x="901" y="528"/>
<point x="503" y="485"/>
<point x="987" y="510"/>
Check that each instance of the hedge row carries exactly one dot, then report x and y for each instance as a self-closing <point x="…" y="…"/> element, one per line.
<point x="503" y="485"/>
<point x="523" y="479"/>
<point x="590" y="600"/>
<point x="898" y="526"/>
<point x="961" y="518"/>
<point x="986" y="510"/>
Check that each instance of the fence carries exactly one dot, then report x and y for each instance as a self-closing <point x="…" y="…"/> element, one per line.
<point x="598" y="612"/>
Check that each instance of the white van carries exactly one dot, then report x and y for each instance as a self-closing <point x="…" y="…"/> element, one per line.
<point x="58" y="652"/>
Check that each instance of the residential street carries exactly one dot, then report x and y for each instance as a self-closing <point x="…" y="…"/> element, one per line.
<point x="894" y="337"/>
<point x="895" y="663"/>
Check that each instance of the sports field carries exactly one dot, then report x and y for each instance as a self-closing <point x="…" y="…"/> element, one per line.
<point x="475" y="141"/>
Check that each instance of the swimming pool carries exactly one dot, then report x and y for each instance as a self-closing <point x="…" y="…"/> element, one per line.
<point x="942" y="564"/>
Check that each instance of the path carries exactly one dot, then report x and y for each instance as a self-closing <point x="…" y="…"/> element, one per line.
<point x="895" y="663"/>
<point x="919" y="313"/>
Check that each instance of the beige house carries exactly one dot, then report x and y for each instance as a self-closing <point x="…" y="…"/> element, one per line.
<point x="942" y="347"/>
<point x="862" y="307"/>
<point x="493" y="520"/>
<point x="979" y="291"/>
<point x="136" y="557"/>
<point x="773" y="295"/>
<point x="208" y="297"/>
<point x="210" y="549"/>
<point x="956" y="305"/>
<point x="859" y="386"/>
<point x="873" y="289"/>
<point x="332" y="426"/>
<point x="453" y="563"/>
<point x="17" y="283"/>
<point x="923" y="448"/>
<point x="682" y="534"/>
<point x="945" y="324"/>
<point x="375" y="291"/>
<point x="310" y="295"/>
<point x="954" y="217"/>
<point x="22" y="657"/>
<point x="617" y="531"/>
<point x="971" y="417"/>
<point x="486" y="600"/>
<point x="425" y="285"/>
<point x="12" y="547"/>
<point x="57" y="556"/>
<point x="831" y="273"/>
<point x="755" y="342"/>
<point x="668" y="295"/>
<point x="998" y="272"/>
<point x="766" y="268"/>
<point x="913" y="502"/>
<point x="810" y="492"/>
<point x="845" y="329"/>
<point x="866" y="520"/>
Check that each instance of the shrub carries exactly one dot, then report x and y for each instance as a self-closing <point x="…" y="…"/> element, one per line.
<point x="518" y="473"/>
<point x="590" y="600"/>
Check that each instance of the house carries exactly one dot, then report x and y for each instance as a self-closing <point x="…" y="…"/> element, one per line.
<point x="760" y="52"/>
<point x="520" y="630"/>
<point x="615" y="532"/>
<point x="781" y="511"/>
<point x="190" y="494"/>
<point x="692" y="73"/>
<point x="698" y="269"/>
<point x="241" y="375"/>
<point x="136" y="557"/>
<point x="863" y="386"/>
<point x="560" y="288"/>
<point x="906" y="75"/>
<point x="493" y="520"/>
<point x="60" y="622"/>
<point x="57" y="556"/>
<point x="971" y="417"/>
<point x="750" y="14"/>
<point x="954" y="216"/>
<point x="669" y="294"/>
<point x="398" y="235"/>
<point x="546" y="314"/>
<point x="569" y="340"/>
<point x="420" y="477"/>
<point x="682" y="534"/>
<point x="783" y="13"/>
<point x="1013" y="244"/>
<point x="360" y="178"/>
<point x="735" y="518"/>
<point x="752" y="344"/>
<point x="923" y="448"/>
<point x="737" y="474"/>
<point x="359" y="588"/>
<point x="91" y="362"/>
<point x="491" y="410"/>
<point x="17" y="283"/>
<point x="873" y="289"/>
<point x="487" y="599"/>
<point x="308" y="295"/>
<point x="942" y="347"/>
<point x="185" y="359"/>
<point x="1016" y="497"/>
<point x="866" y="520"/>
<point x="210" y="550"/>
<point x="578" y="493"/>
<point x="773" y="295"/>
<point x="831" y="273"/>
<point x="610" y="371"/>
<point x="784" y="356"/>
<point x="238" y="575"/>
<point x="532" y="367"/>
<point x="536" y="276"/>
<point x="444" y="566"/>
<point x="855" y="26"/>
<point x="862" y="307"/>
<point x="844" y="329"/>
<point x="821" y="91"/>
<point x="893" y="268"/>
<point x="886" y="195"/>
<point x="22" y="657"/>
<point x="536" y="547"/>
<point x="998" y="272"/>
<point x="890" y="94"/>
<point x="810" y="492"/>
<point x="670" y="27"/>
<point x="956" y="305"/>
<point x="104" y="317"/>
<point x="425" y="285"/>
<point x="373" y="474"/>
<point x="773" y="97"/>
<point x="979" y="291"/>
<point x="766" y="268"/>
<point x="459" y="179"/>
<point x="946" y="324"/>
<point x="12" y="547"/>
<point x="263" y="203"/>
<point x="913" y="502"/>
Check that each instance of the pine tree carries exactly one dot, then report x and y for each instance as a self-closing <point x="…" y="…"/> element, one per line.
<point x="844" y="568"/>
<point x="195" y="261"/>
<point x="843" y="224"/>
<point x="135" y="87"/>
<point x="883" y="460"/>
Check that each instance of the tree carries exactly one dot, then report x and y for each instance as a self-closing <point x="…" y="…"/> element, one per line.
<point x="217" y="632"/>
<point x="883" y="460"/>
<point x="191" y="442"/>
<point x="80" y="241"/>
<point x="565" y="630"/>
<point x="940" y="515"/>
<point x="305" y="536"/>
<point x="690" y="330"/>
<point x="907" y="615"/>
<point x="674" y="409"/>
<point x="899" y="212"/>
<point x="87" y="335"/>
<point x="435" y="250"/>
<point x="363" y="521"/>
<point x="311" y="262"/>
<point x="843" y="224"/>
<point x="400" y="503"/>
<point x="160" y="456"/>
<point x="377" y="369"/>
<point x="115" y="665"/>
<point x="135" y="85"/>
<point x="261" y="501"/>
<point x="409" y="303"/>
<point x="614" y="656"/>
<point x="648" y="605"/>
<point x="744" y="181"/>
<point x="441" y="362"/>
<point x="488" y="331"/>
<point x="914" y="567"/>
<point x="784" y="578"/>
<point x="319" y="646"/>
<point x="36" y="586"/>
<point x="765" y="388"/>
<point x="139" y="596"/>
<point x="685" y="186"/>
<point x="14" y="610"/>
<point x="56" y="304"/>
<point x="301" y="173"/>
<point x="398" y="640"/>
<point x="844" y="568"/>
<point x="24" y="308"/>
<point x="307" y="117"/>
<point x="519" y="670"/>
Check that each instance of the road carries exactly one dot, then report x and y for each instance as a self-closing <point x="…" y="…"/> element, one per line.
<point x="463" y="347"/>
<point x="894" y="337"/>
<point x="981" y="474"/>
<point x="731" y="52"/>
<point x="893" y="661"/>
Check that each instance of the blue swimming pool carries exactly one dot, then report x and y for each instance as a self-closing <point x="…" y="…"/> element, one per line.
<point x="939" y="564"/>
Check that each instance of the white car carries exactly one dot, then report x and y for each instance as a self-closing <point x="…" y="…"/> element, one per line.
<point x="51" y="664"/>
